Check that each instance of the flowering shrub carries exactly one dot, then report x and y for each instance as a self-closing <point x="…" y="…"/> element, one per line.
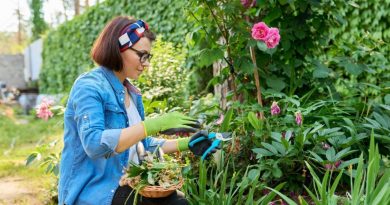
<point x="43" y="110"/>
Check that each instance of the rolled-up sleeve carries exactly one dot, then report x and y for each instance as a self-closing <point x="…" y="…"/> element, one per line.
<point x="151" y="143"/>
<point x="89" y="115"/>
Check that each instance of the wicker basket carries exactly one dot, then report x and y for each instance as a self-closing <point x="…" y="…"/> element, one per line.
<point x="157" y="191"/>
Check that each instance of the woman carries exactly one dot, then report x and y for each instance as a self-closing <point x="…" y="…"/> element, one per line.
<point x="104" y="121"/>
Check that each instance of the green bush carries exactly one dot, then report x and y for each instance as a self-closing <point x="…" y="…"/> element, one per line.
<point x="166" y="76"/>
<point x="66" y="49"/>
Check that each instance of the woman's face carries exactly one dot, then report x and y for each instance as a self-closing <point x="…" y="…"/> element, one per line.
<point x="132" y="66"/>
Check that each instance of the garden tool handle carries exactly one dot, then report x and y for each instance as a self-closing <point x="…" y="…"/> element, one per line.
<point x="193" y="142"/>
<point x="213" y="146"/>
<point x="210" y="136"/>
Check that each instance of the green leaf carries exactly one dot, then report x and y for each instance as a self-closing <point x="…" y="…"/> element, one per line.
<point x="318" y="158"/>
<point x="226" y="121"/>
<point x="253" y="174"/>
<point x="135" y="170"/>
<point x="286" y="198"/>
<point x="270" y="147"/>
<point x="31" y="158"/>
<point x="313" y="196"/>
<point x="274" y="14"/>
<point x="262" y="46"/>
<point x="277" y="172"/>
<point x="335" y="183"/>
<point x="321" y="71"/>
<point x="387" y="99"/>
<point x="285" y="143"/>
<point x="276" y="83"/>
<point x="209" y="56"/>
<point x="256" y="123"/>
<point x="348" y="162"/>
<point x="352" y="68"/>
<point x="151" y="180"/>
<point x="269" y="197"/>
<point x="247" y="66"/>
<point x="281" y="149"/>
<point x="277" y="136"/>
<point x="343" y="153"/>
<point x="330" y="154"/>
<point x="262" y="152"/>
<point x="381" y="120"/>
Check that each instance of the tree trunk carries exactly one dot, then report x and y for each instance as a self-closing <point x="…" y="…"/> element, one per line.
<point x="220" y="90"/>
<point x="76" y="7"/>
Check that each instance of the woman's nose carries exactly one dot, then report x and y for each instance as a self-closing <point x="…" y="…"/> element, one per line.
<point x="146" y="64"/>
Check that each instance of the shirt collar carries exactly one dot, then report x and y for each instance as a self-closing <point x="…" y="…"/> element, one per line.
<point x="116" y="84"/>
<point x="131" y="88"/>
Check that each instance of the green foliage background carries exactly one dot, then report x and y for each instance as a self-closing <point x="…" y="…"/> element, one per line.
<point x="166" y="77"/>
<point x="66" y="49"/>
<point x="38" y="23"/>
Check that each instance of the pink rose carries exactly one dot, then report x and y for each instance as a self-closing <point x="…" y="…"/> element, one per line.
<point x="273" y="38"/>
<point x="260" y="31"/>
<point x="275" y="109"/>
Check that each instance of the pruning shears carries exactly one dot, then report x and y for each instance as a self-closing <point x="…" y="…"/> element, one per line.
<point x="217" y="138"/>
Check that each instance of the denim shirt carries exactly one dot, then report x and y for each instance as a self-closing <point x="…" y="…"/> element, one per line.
<point x="95" y="114"/>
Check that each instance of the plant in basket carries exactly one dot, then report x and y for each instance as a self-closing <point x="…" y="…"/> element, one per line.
<point x="156" y="176"/>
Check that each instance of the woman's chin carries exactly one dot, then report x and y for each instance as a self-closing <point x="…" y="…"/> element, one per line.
<point x="133" y="77"/>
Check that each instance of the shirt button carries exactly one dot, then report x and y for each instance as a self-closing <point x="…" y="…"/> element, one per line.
<point x="121" y="99"/>
<point x="112" y="191"/>
<point x="116" y="108"/>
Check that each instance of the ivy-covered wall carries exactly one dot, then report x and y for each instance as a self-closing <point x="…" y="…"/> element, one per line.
<point x="66" y="49"/>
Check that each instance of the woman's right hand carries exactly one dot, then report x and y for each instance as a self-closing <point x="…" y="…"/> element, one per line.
<point x="173" y="120"/>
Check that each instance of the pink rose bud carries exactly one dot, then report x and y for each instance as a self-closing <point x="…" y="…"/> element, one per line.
<point x="248" y="3"/>
<point x="325" y="146"/>
<point x="273" y="38"/>
<point x="329" y="166"/>
<point x="260" y="31"/>
<point x="337" y="164"/>
<point x="275" y="109"/>
<point x="220" y="119"/>
<point x="298" y="118"/>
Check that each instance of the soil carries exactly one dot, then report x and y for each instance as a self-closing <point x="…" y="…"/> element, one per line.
<point x="15" y="190"/>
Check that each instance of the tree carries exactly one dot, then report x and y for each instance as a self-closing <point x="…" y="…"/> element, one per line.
<point x="38" y="22"/>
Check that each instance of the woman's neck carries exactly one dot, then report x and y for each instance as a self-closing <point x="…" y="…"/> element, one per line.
<point x="120" y="76"/>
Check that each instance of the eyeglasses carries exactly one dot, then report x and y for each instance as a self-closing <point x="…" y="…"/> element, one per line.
<point x="143" y="56"/>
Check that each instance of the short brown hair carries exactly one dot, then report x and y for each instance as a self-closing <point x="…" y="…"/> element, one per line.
<point x="105" y="51"/>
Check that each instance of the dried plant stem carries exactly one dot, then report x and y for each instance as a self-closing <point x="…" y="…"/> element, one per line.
<point x="257" y="80"/>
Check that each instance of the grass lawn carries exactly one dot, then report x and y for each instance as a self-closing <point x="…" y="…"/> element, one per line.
<point x="19" y="137"/>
